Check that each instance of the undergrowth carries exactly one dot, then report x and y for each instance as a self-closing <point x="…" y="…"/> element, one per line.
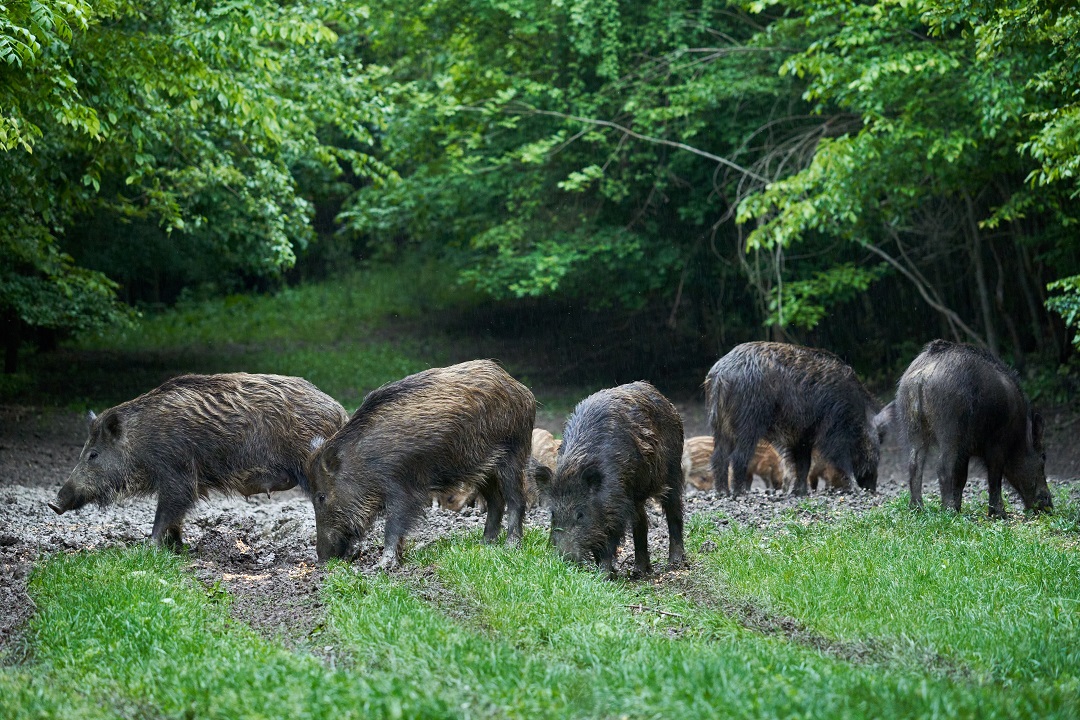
<point x="345" y="335"/>
<point x="883" y="614"/>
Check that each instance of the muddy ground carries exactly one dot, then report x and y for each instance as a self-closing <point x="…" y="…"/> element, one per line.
<point x="262" y="550"/>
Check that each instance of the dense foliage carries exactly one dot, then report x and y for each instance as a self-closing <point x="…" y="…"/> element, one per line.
<point x="167" y="144"/>
<point x="861" y="176"/>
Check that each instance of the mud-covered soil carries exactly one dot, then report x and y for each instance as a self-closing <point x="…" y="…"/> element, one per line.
<point x="261" y="550"/>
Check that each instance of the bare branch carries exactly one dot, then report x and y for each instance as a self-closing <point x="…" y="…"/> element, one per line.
<point x="924" y="291"/>
<point x="627" y="131"/>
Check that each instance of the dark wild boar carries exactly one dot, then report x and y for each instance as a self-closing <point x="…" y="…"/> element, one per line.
<point x="620" y="447"/>
<point x="464" y="425"/>
<point x="967" y="403"/>
<point x="798" y="400"/>
<point x="196" y="433"/>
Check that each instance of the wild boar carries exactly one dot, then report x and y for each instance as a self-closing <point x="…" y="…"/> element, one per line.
<point x="967" y="403"/>
<point x="465" y="425"/>
<point x="194" y="434"/>
<point x="621" y="446"/>
<point x="796" y="399"/>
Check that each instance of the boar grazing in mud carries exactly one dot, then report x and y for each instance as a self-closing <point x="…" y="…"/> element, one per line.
<point x="466" y="425"/>
<point x="620" y="447"/>
<point x="798" y="400"/>
<point x="969" y="404"/>
<point x="196" y="433"/>
<point x="541" y="465"/>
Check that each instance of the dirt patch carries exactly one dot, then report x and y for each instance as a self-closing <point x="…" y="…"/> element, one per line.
<point x="262" y="550"/>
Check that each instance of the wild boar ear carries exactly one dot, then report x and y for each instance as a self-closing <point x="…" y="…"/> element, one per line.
<point x="593" y="479"/>
<point x="1036" y="430"/>
<point x="542" y="476"/>
<point x="331" y="462"/>
<point x="91" y="416"/>
<point x="112" y="426"/>
<point x="317" y="442"/>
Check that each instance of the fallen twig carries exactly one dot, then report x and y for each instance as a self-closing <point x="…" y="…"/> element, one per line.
<point x="658" y="611"/>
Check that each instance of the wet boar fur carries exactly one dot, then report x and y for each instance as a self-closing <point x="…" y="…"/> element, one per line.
<point x="620" y="447"/>
<point x="798" y="400"/>
<point x="967" y="403"/>
<point x="228" y="433"/>
<point x="465" y="425"/>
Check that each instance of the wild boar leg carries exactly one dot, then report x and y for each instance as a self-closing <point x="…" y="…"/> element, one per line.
<point x="803" y="455"/>
<point x="671" y="502"/>
<point x="400" y="517"/>
<point x="607" y="559"/>
<point x="953" y="477"/>
<point x="495" y="504"/>
<point x="512" y="482"/>
<point x="993" y="478"/>
<point x="740" y="464"/>
<point x="642" y="566"/>
<point x="175" y="497"/>
<point x="721" y="466"/>
<point x="916" y="461"/>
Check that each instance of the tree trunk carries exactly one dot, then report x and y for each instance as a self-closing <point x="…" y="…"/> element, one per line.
<point x="1003" y="311"/>
<point x="1029" y="296"/>
<point x="985" y="304"/>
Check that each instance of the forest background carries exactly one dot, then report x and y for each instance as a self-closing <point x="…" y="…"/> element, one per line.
<point x="650" y="182"/>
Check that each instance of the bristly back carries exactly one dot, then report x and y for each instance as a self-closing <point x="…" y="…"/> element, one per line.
<point x="387" y="394"/>
<point x="941" y="347"/>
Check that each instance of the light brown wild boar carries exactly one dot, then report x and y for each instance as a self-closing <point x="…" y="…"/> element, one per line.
<point x="697" y="469"/>
<point x="230" y="433"/>
<point x="545" y="448"/>
<point x="467" y="424"/>
<point x="765" y="464"/>
<point x="779" y="475"/>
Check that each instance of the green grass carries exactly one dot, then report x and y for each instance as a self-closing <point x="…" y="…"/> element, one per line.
<point x="881" y="615"/>
<point x="129" y="633"/>
<point x="1001" y="600"/>
<point x="343" y="309"/>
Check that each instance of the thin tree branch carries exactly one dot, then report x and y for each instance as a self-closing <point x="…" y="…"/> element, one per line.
<point x="627" y="131"/>
<point x="948" y="313"/>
